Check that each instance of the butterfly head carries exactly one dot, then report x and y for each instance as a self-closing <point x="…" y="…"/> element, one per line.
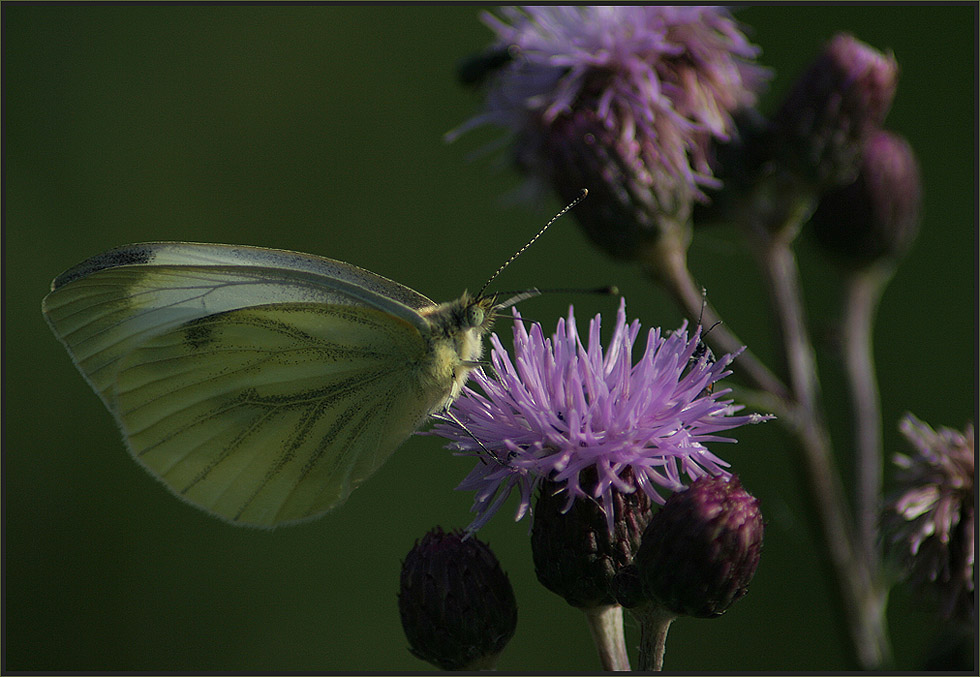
<point x="466" y="317"/>
<point x="476" y="314"/>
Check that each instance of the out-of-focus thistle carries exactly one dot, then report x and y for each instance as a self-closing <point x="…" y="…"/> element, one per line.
<point x="457" y="606"/>
<point x="814" y="141"/>
<point x="625" y="101"/>
<point x="842" y="98"/>
<point x="875" y="217"/>
<point x="929" y="522"/>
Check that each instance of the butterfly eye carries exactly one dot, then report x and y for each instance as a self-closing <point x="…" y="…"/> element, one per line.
<point x="474" y="316"/>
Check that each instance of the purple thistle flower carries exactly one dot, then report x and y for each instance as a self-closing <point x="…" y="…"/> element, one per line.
<point x="700" y="552"/>
<point x="625" y="101"/>
<point x="930" y="520"/>
<point x="561" y="411"/>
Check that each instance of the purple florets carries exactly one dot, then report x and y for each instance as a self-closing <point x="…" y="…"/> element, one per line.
<point x="561" y="408"/>
<point x="929" y="522"/>
<point x="644" y="70"/>
<point x="626" y="101"/>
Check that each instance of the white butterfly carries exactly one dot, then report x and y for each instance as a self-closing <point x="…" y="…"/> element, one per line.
<point x="261" y="385"/>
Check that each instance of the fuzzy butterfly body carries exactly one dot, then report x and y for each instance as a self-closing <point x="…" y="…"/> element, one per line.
<point x="260" y="385"/>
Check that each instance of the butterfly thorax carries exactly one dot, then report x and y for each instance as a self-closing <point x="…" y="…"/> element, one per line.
<point x="455" y="337"/>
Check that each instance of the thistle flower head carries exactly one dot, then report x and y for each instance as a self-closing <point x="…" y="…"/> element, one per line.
<point x="929" y="521"/>
<point x="626" y="101"/>
<point x="456" y="603"/>
<point x="590" y="420"/>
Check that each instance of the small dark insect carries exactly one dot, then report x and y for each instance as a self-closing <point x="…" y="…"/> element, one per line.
<point x="702" y="350"/>
<point x="475" y="70"/>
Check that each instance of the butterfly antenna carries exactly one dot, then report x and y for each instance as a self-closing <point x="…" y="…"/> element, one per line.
<point x="516" y="297"/>
<point x="607" y="290"/>
<point x="532" y="240"/>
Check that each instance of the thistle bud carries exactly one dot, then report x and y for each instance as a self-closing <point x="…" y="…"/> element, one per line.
<point x="575" y="554"/>
<point x="630" y="207"/>
<point x="819" y="131"/>
<point x="877" y="216"/>
<point x="699" y="553"/>
<point x="456" y="603"/>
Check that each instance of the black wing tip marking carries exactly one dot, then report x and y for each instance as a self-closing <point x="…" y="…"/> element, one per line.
<point x="121" y="256"/>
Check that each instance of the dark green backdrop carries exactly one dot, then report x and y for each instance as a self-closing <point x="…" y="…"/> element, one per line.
<point x="320" y="129"/>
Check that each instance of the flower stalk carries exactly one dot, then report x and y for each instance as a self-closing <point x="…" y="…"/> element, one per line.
<point x="666" y="264"/>
<point x="606" y="628"/>
<point x="862" y="605"/>
<point x="864" y="291"/>
<point x="654" y="622"/>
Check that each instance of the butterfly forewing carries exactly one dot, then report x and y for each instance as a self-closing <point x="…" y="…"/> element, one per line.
<point x="108" y="305"/>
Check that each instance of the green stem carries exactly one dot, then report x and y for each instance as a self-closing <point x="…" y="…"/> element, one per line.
<point x="606" y="626"/>
<point x="482" y="663"/>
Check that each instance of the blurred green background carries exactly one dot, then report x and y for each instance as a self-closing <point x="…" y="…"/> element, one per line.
<point x="319" y="129"/>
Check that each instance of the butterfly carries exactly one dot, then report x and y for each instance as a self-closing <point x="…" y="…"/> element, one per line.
<point x="263" y="385"/>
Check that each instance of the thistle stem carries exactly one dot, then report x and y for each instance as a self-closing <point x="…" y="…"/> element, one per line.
<point x="861" y="605"/>
<point x="654" y="622"/>
<point x="864" y="291"/>
<point x="855" y="577"/>
<point x="606" y="626"/>
<point x="482" y="663"/>
<point x="666" y="264"/>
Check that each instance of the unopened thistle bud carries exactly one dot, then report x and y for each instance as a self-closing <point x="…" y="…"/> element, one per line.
<point x="700" y="551"/>
<point x="457" y="605"/>
<point x="575" y="554"/>
<point x="820" y="130"/>
<point x="877" y="216"/>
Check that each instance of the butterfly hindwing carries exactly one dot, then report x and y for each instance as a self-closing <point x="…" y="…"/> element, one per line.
<point x="275" y="413"/>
